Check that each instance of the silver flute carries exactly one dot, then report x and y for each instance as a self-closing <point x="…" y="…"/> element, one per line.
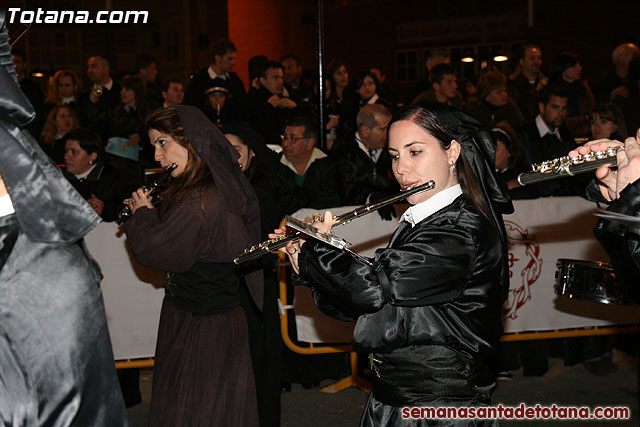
<point x="568" y="166"/>
<point x="261" y="249"/>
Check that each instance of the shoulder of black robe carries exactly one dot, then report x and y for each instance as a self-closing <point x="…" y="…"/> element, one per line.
<point x="218" y="153"/>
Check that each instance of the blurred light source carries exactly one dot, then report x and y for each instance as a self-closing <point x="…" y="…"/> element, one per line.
<point x="500" y="58"/>
<point x="37" y="74"/>
<point x="467" y="59"/>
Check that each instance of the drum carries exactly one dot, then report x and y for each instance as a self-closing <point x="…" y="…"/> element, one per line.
<point x="590" y="281"/>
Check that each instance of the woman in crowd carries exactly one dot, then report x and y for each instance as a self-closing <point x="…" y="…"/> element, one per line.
<point x="98" y="183"/>
<point x="64" y="88"/>
<point x="60" y="121"/>
<point x="607" y="122"/>
<point x="338" y="82"/>
<point x="128" y="139"/>
<point x="363" y="91"/>
<point x="493" y="106"/>
<point x="339" y="77"/>
<point x="429" y="308"/>
<point x="208" y="214"/>
<point x="567" y="71"/>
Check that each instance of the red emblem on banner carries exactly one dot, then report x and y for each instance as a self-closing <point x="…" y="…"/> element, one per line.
<point x="525" y="265"/>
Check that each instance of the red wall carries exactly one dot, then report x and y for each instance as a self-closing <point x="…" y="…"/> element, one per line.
<point x="271" y="28"/>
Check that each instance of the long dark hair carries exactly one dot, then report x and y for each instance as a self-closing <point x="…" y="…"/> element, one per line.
<point x="196" y="172"/>
<point x="428" y="121"/>
<point x="139" y="89"/>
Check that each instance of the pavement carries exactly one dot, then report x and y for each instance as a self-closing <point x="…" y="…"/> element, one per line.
<point x="562" y="385"/>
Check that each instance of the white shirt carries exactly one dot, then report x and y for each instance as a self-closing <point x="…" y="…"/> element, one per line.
<point x="107" y="86"/>
<point x="83" y="175"/>
<point x="315" y="155"/>
<point x="364" y="148"/>
<point x="213" y="74"/>
<point x="6" y="207"/>
<point x="543" y="129"/>
<point x="417" y="213"/>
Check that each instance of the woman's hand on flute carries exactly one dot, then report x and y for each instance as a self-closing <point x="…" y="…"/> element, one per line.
<point x="322" y="223"/>
<point x="138" y="198"/>
<point x="292" y="249"/>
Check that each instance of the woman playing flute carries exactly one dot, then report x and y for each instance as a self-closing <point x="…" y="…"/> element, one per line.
<point x="429" y="308"/>
<point x="208" y="213"/>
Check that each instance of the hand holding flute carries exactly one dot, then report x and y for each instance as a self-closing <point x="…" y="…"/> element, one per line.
<point x="612" y="179"/>
<point x="292" y="248"/>
<point x="139" y="198"/>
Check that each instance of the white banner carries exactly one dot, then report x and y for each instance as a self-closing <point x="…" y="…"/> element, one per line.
<point x="132" y="294"/>
<point x="539" y="232"/>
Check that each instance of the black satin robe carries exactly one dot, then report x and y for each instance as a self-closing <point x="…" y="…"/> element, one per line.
<point x="428" y="310"/>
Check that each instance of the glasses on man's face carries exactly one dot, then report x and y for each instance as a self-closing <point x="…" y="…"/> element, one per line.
<point x="291" y="138"/>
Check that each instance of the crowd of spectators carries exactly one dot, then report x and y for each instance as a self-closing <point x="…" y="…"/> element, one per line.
<point x="534" y="117"/>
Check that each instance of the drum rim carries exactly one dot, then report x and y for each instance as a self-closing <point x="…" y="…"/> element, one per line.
<point x="562" y="262"/>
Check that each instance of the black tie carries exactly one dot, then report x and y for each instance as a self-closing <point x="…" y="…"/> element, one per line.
<point x="372" y="154"/>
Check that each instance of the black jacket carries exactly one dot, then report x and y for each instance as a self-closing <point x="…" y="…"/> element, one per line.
<point x="264" y="118"/>
<point x="360" y="176"/>
<point x="549" y="147"/>
<point x="93" y="115"/>
<point x="321" y="188"/>
<point x="106" y="183"/>
<point x="436" y="284"/>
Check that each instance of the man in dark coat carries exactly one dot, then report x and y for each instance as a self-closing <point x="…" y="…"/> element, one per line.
<point x="102" y="97"/>
<point x="529" y="81"/>
<point x="266" y="108"/>
<point x="223" y="59"/>
<point x="56" y="361"/>
<point x="363" y="162"/>
<point x="303" y="176"/>
<point x="547" y="138"/>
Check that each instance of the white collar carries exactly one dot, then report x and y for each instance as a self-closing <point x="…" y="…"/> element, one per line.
<point x="68" y="99"/>
<point x="6" y="207"/>
<point x="543" y="129"/>
<point x="373" y="99"/>
<point x="84" y="174"/>
<point x="107" y="86"/>
<point x="213" y="74"/>
<point x="377" y="153"/>
<point x="422" y="210"/>
<point x="316" y="154"/>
